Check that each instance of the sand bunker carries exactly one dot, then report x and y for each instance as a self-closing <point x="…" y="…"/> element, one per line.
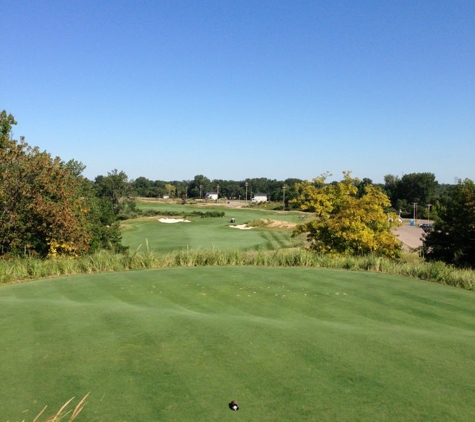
<point x="241" y="227"/>
<point x="278" y="224"/>
<point x="173" y="220"/>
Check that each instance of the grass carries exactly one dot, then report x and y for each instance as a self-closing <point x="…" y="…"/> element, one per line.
<point x="207" y="233"/>
<point x="31" y="268"/>
<point x="286" y="343"/>
<point x="292" y="341"/>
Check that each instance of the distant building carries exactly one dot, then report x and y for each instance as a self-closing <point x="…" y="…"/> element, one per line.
<point x="213" y="196"/>
<point x="259" y="197"/>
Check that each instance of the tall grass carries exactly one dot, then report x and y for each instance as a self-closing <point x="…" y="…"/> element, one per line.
<point x="18" y="270"/>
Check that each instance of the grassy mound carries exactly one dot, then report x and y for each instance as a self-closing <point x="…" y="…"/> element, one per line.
<point x="286" y="343"/>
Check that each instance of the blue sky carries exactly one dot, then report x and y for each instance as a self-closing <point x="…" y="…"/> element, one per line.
<point x="169" y="89"/>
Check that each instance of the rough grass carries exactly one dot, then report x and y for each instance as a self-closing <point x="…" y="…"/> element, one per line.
<point x="30" y="268"/>
<point x="179" y="344"/>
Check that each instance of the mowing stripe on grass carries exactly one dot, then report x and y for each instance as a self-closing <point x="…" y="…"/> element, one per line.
<point x="287" y="343"/>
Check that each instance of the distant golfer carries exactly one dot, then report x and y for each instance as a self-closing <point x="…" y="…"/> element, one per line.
<point x="234" y="405"/>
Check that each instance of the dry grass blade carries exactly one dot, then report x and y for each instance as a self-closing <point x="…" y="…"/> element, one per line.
<point x="79" y="407"/>
<point x="39" y="414"/>
<point x="59" y="414"/>
<point x="60" y="411"/>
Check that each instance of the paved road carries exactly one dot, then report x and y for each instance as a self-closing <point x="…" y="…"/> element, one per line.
<point x="410" y="235"/>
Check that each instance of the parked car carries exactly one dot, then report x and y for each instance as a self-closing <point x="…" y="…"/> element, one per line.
<point x="425" y="226"/>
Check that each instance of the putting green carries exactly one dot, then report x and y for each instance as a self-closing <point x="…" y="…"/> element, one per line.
<point x="286" y="343"/>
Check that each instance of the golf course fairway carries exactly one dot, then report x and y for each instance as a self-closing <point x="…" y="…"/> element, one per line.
<point x="289" y="344"/>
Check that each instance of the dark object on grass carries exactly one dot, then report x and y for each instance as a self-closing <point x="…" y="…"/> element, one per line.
<point x="234" y="405"/>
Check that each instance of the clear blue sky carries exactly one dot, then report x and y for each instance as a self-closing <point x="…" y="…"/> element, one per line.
<point x="169" y="89"/>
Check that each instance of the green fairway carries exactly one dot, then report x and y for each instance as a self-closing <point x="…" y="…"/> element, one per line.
<point x="207" y="232"/>
<point x="289" y="344"/>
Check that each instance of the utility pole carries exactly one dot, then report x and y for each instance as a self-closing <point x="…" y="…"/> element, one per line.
<point x="415" y="211"/>
<point x="283" y="194"/>
<point x="246" y="184"/>
<point x="428" y="213"/>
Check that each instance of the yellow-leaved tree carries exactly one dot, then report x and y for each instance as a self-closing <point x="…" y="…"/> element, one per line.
<point x="347" y="220"/>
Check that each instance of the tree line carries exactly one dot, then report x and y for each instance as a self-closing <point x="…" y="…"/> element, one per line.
<point x="413" y="195"/>
<point x="229" y="189"/>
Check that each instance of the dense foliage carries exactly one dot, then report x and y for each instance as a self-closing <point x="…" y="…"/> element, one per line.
<point x="42" y="209"/>
<point x="413" y="195"/>
<point x="116" y="188"/>
<point x="348" y="220"/>
<point x="452" y="239"/>
<point x="46" y="207"/>
<point x="416" y="195"/>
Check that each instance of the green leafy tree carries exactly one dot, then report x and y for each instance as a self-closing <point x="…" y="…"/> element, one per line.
<point x="116" y="187"/>
<point x="361" y="185"/>
<point x="104" y="226"/>
<point x="143" y="187"/>
<point x="76" y="167"/>
<point x="390" y="187"/>
<point x="199" y="186"/>
<point x="413" y="188"/>
<point x="148" y="188"/>
<point x="347" y="221"/>
<point x="6" y="123"/>
<point x="452" y="239"/>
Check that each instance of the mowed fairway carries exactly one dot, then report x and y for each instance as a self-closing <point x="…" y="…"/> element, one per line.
<point x="289" y="344"/>
<point x="207" y="233"/>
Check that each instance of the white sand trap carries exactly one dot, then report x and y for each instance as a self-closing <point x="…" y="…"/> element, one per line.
<point x="173" y="220"/>
<point x="241" y="227"/>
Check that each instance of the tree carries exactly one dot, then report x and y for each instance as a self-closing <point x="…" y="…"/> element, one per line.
<point x="116" y="188"/>
<point x="418" y="188"/>
<point x="142" y="187"/>
<point x="361" y="185"/>
<point x="6" y="123"/>
<point x="199" y="186"/>
<point x="390" y="187"/>
<point x="452" y="239"/>
<point x="170" y="190"/>
<point x="347" y="221"/>
<point x="76" y="167"/>
<point x="104" y="226"/>
<point x="413" y="188"/>
<point x="42" y="210"/>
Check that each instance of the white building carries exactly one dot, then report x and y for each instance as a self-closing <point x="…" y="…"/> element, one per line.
<point x="213" y="196"/>
<point x="259" y="197"/>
